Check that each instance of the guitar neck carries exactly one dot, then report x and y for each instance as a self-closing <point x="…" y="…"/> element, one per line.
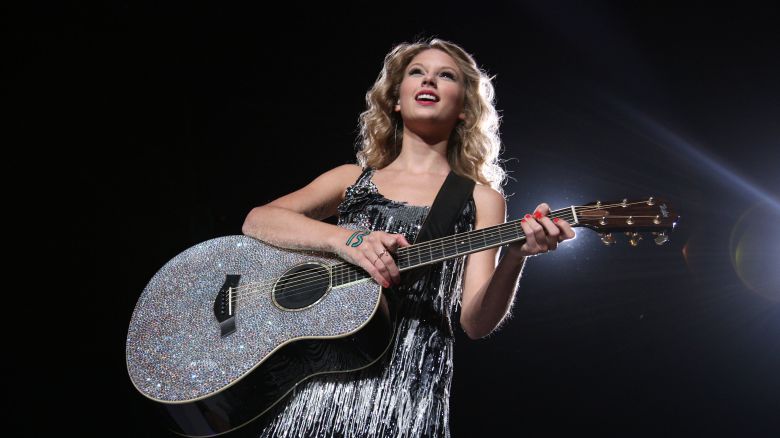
<point x="445" y="248"/>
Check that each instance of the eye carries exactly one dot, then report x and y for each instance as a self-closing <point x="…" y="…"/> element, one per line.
<point x="415" y="71"/>
<point x="448" y="75"/>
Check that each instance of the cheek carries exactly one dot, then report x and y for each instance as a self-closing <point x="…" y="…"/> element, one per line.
<point x="404" y="83"/>
<point x="458" y="96"/>
<point x="456" y="91"/>
<point x="407" y="88"/>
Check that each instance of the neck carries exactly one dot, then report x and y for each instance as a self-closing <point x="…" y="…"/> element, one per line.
<point x="422" y="154"/>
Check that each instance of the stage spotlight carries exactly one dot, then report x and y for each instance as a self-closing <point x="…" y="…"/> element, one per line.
<point x="755" y="248"/>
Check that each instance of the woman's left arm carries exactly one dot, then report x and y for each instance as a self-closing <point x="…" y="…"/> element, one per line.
<point x="489" y="285"/>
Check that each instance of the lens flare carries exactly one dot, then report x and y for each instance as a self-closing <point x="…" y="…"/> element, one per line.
<point x="755" y="249"/>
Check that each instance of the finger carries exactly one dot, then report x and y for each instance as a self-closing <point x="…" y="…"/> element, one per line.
<point x="531" y="245"/>
<point x="372" y="256"/>
<point x="401" y="240"/>
<point x="390" y="243"/>
<point x="529" y="239"/>
<point x="385" y="261"/>
<point x="381" y="258"/>
<point x="392" y="267"/>
<point x="373" y="272"/>
<point x="543" y="208"/>
<point x="552" y="232"/>
<point x="567" y="231"/>
<point x="394" y="242"/>
<point x="539" y="234"/>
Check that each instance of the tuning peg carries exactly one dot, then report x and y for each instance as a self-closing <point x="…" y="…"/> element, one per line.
<point x="608" y="239"/>
<point x="635" y="238"/>
<point x="661" y="238"/>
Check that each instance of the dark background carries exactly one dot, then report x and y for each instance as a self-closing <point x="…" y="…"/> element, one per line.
<point x="156" y="127"/>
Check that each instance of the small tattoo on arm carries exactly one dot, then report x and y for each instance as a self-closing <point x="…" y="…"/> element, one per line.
<point x="357" y="238"/>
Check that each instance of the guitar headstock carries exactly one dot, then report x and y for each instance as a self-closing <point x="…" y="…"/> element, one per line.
<point x="629" y="216"/>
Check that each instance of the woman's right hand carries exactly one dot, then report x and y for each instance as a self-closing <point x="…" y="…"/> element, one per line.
<point x="371" y="250"/>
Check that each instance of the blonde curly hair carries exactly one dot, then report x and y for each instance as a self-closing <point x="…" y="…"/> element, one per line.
<point x="474" y="145"/>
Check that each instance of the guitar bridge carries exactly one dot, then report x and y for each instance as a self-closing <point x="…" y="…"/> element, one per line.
<point x="225" y="305"/>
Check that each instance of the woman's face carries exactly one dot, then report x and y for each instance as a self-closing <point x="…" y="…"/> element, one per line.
<point x="432" y="90"/>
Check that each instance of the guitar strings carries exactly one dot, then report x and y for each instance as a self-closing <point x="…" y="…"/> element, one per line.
<point x="425" y="246"/>
<point x="305" y="281"/>
<point x="349" y="266"/>
<point x="342" y="268"/>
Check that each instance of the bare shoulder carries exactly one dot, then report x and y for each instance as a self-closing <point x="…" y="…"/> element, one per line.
<point x="491" y="206"/>
<point x="346" y="173"/>
<point x="337" y="179"/>
<point x="488" y="198"/>
<point x="320" y="197"/>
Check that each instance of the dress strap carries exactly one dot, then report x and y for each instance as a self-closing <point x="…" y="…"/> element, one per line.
<point x="365" y="176"/>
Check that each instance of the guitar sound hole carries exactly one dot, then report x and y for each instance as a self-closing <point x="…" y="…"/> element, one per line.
<point x="302" y="286"/>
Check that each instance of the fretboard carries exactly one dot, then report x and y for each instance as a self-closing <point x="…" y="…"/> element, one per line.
<point x="445" y="248"/>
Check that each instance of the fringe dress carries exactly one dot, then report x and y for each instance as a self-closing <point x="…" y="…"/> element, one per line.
<point x="407" y="392"/>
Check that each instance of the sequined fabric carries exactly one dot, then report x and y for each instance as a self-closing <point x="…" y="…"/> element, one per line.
<point x="407" y="392"/>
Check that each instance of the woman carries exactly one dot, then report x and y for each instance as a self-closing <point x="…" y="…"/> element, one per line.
<point x="429" y="112"/>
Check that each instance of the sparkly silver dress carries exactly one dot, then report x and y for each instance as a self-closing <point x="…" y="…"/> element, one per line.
<point x="407" y="392"/>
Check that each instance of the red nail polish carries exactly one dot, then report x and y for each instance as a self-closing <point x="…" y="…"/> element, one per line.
<point x="522" y="220"/>
<point x="537" y="214"/>
<point x="528" y="216"/>
<point x="556" y="220"/>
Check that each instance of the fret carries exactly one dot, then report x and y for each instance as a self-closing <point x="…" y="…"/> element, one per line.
<point x="403" y="260"/>
<point x="463" y="244"/>
<point x="492" y="238"/>
<point x="452" y="246"/>
<point x="437" y="251"/>
<point x="503" y="233"/>
<point x="446" y="245"/>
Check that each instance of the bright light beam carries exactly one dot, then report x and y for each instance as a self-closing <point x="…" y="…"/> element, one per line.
<point x="666" y="138"/>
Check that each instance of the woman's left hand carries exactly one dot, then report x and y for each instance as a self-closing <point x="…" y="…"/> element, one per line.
<point x="541" y="233"/>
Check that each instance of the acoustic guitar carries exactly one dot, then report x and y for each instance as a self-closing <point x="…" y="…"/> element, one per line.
<point x="226" y="329"/>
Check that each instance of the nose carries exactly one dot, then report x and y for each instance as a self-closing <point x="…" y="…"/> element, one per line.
<point x="429" y="79"/>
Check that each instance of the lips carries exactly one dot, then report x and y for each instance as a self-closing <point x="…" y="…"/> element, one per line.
<point x="426" y="96"/>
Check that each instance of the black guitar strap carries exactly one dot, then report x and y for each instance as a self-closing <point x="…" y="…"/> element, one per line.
<point x="444" y="213"/>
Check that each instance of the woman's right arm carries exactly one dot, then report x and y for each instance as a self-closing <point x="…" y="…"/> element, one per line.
<point x="295" y="221"/>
